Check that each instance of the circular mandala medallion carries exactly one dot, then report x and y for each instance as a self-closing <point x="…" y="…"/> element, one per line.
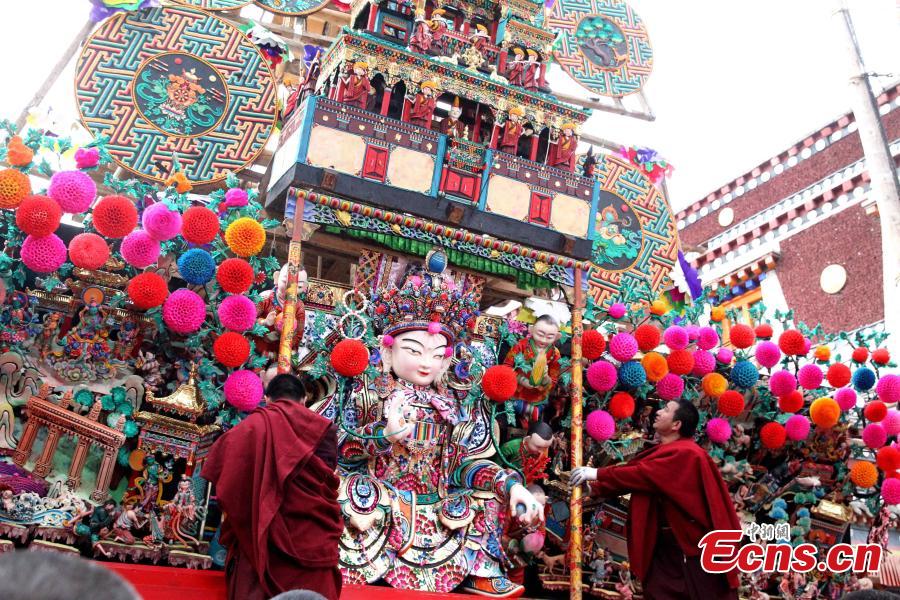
<point x="216" y="4"/>
<point x="635" y="233"/>
<point x="603" y="45"/>
<point x="176" y="83"/>
<point x="293" y="8"/>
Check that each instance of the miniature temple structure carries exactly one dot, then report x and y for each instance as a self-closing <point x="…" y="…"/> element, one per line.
<point x="60" y="420"/>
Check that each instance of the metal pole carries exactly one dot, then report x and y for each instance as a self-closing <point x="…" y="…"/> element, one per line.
<point x="576" y="445"/>
<point x="880" y="164"/>
<point x="60" y="66"/>
<point x="295" y="262"/>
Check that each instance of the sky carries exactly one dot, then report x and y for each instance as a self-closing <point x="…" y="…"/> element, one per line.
<point x="733" y="83"/>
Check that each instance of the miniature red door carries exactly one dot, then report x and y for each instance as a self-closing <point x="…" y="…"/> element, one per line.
<point x="463" y="185"/>
<point x="539" y="210"/>
<point x="375" y="164"/>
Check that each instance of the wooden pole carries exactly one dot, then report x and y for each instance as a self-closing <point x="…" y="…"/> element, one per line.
<point x="58" y="68"/>
<point x="289" y="318"/>
<point x="576" y="445"/>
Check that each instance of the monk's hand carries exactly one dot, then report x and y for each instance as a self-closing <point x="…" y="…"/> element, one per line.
<point x="524" y="506"/>
<point x="582" y="475"/>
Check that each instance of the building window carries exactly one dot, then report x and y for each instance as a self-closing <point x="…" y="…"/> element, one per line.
<point x="741" y="304"/>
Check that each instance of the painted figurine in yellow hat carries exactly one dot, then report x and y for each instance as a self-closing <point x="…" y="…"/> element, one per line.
<point x="422" y="37"/>
<point x="512" y="131"/>
<point x="531" y="69"/>
<point x="355" y="88"/>
<point x="516" y="73"/>
<point x="422" y="105"/>
<point x="562" y="149"/>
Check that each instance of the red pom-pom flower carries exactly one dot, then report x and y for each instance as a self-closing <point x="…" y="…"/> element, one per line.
<point x="349" y="358"/>
<point x="147" y="290"/>
<point x="38" y="216"/>
<point x="592" y="344"/>
<point x="115" y="216"/>
<point x="199" y="225"/>
<point x="499" y="383"/>
<point x="88" y="251"/>
<point x="235" y="275"/>
<point x="231" y="349"/>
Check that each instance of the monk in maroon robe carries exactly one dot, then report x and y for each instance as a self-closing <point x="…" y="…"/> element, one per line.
<point x="512" y="131"/>
<point x="422" y="106"/>
<point x="356" y="86"/>
<point x="516" y="72"/>
<point x="677" y="497"/>
<point x="421" y="38"/>
<point x="530" y="71"/>
<point x="274" y="476"/>
<point x="565" y="146"/>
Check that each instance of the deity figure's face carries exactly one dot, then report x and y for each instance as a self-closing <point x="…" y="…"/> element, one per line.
<point x="544" y="334"/>
<point x="418" y="357"/>
<point x="514" y="117"/>
<point x="184" y="485"/>
<point x="455" y="112"/>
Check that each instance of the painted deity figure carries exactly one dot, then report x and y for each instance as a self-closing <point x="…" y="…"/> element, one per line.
<point x="438" y="26"/>
<point x="422" y="104"/>
<point x="536" y="361"/>
<point x="421" y="39"/>
<point x="49" y="330"/>
<point x="512" y="131"/>
<point x="356" y="87"/>
<point x="15" y="319"/>
<point x="180" y="514"/>
<point x="615" y="240"/>
<point x="270" y="313"/>
<point x="516" y="72"/>
<point x="424" y="504"/>
<point x="127" y="341"/>
<point x="565" y="145"/>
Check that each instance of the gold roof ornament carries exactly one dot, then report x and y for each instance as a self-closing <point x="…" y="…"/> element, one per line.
<point x="832" y="511"/>
<point x="186" y="400"/>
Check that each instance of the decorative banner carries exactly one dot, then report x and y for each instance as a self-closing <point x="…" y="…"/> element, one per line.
<point x="293" y="8"/>
<point x="602" y="45"/>
<point x="175" y="83"/>
<point x="636" y="236"/>
<point x="215" y="5"/>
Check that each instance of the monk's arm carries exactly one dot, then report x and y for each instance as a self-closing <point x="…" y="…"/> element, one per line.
<point x="625" y="479"/>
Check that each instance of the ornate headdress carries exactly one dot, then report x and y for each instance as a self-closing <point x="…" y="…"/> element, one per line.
<point x="437" y="307"/>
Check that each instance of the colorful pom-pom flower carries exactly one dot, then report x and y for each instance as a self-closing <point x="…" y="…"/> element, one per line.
<point x="792" y="343"/>
<point x="670" y="387"/>
<point x="713" y="385"/>
<point x="601" y="376"/>
<point x="704" y="363"/>
<point x="838" y="375"/>
<point x="199" y="225"/>
<point x="863" y="379"/>
<point x="350" y="358"/>
<point x="623" y="346"/>
<point x="741" y="336"/>
<point x="245" y="237"/>
<point x="115" y="216"/>
<point x="875" y="411"/>
<point x="860" y="355"/>
<point x="782" y="383"/>
<point x="731" y="403"/>
<point x="139" y="249"/>
<point x="600" y="425"/>
<point x="825" y="413"/>
<point x="772" y="435"/>
<point x="621" y="405"/>
<point x="874" y="436"/>
<point x="863" y="474"/>
<point x="592" y="344"/>
<point x="160" y="222"/>
<point x="891" y="422"/>
<point x="237" y="313"/>
<point x="791" y="402"/>
<point x="235" y="275"/>
<point x="88" y="251"/>
<point x="707" y="338"/>
<point x="655" y="366"/>
<point x="647" y="337"/>
<point x="14" y="188"/>
<point x="718" y="430"/>
<point x="888" y="388"/>
<point x="845" y="398"/>
<point x="767" y="354"/>
<point x="43" y="254"/>
<point x="632" y="374"/>
<point x="184" y="311"/>
<point x="797" y="428"/>
<point x="243" y="390"/>
<point x="196" y="266"/>
<point x="38" y="216"/>
<point x="810" y="377"/>
<point x="74" y="191"/>
<point x="888" y="459"/>
<point x="890" y="491"/>
<point x="744" y="374"/>
<point x="675" y="337"/>
<point x="680" y="362"/>
<point x="231" y="349"/>
<point x="147" y="290"/>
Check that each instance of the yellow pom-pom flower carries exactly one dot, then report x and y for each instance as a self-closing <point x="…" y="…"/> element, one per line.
<point x="14" y="187"/>
<point x="825" y="413"/>
<point x="245" y="236"/>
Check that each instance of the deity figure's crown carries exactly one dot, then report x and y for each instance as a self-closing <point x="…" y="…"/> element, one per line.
<point x="436" y="306"/>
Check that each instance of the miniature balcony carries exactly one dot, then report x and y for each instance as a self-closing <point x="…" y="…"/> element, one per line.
<point x="390" y="164"/>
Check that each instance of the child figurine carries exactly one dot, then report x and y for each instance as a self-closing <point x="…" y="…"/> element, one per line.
<point x="536" y="361"/>
<point x="529" y="454"/>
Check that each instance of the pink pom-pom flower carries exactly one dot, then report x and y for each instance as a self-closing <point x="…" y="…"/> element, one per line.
<point x="767" y="354"/>
<point x="617" y="310"/>
<point x="890" y="491"/>
<point x="797" y="428"/>
<point x="874" y="436"/>
<point x="184" y="311"/>
<point x="670" y="387"/>
<point x="888" y="389"/>
<point x="623" y="346"/>
<point x="236" y="198"/>
<point x="675" y="337"/>
<point x="891" y="422"/>
<point x="725" y="356"/>
<point x="782" y="383"/>
<point x="87" y="158"/>
<point x="139" y="249"/>
<point x="693" y="332"/>
<point x="434" y="328"/>
<point x="43" y="254"/>
<point x="845" y="398"/>
<point x="810" y="377"/>
<point x="602" y="376"/>
<point x="387" y="340"/>
<point x="243" y="390"/>
<point x="718" y="430"/>
<point x="161" y="223"/>
<point x="600" y="425"/>
<point x="237" y="313"/>
<point x="707" y="338"/>
<point x="74" y="191"/>
<point x="704" y="362"/>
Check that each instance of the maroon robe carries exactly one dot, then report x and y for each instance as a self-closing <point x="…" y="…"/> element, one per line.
<point x="421" y="39"/>
<point x="516" y="73"/>
<point x="565" y="151"/>
<point x="694" y="502"/>
<point x="278" y="491"/>
<point x="509" y="142"/>
<point x="530" y="76"/>
<point x="422" y="110"/>
<point x="453" y="127"/>
<point x="356" y="91"/>
<point x="437" y="36"/>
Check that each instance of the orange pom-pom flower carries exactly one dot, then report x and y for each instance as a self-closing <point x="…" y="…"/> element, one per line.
<point x="14" y="187"/>
<point x="825" y="412"/>
<point x="655" y="365"/>
<point x="245" y="236"/>
<point x="863" y="474"/>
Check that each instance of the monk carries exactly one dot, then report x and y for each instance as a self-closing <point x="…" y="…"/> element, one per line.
<point x="356" y="86"/>
<point x="512" y="131"/>
<point x="677" y="497"/>
<point x="422" y="105"/>
<point x="516" y="72"/>
<point x="565" y="146"/>
<point x="530" y="71"/>
<point x="274" y="476"/>
<point x="452" y="125"/>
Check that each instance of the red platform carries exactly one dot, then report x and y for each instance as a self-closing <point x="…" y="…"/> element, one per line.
<point x="165" y="583"/>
